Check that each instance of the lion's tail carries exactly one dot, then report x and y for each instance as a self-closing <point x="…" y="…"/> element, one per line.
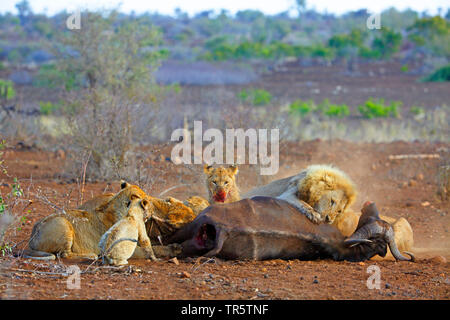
<point x="38" y="255"/>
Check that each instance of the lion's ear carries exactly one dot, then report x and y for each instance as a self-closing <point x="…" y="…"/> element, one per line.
<point x="207" y="169"/>
<point x="145" y="204"/>
<point x="124" y="184"/>
<point x="134" y="196"/>
<point x="233" y="169"/>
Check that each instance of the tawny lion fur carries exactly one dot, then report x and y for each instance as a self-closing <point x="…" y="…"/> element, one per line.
<point x="221" y="184"/>
<point x="118" y="244"/>
<point x="196" y="203"/>
<point x="311" y="184"/>
<point x="327" y="189"/>
<point x="75" y="232"/>
<point x="169" y="216"/>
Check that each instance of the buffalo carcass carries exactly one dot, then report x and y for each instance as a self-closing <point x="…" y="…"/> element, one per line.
<point x="268" y="228"/>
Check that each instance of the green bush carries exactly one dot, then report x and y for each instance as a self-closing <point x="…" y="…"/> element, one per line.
<point x="256" y="97"/>
<point x="47" y="108"/>
<point x="377" y="109"/>
<point x="49" y="76"/>
<point x="7" y="91"/>
<point x="432" y="33"/>
<point x="417" y="110"/>
<point x="440" y="75"/>
<point x="337" y="111"/>
<point x="220" y="49"/>
<point x="387" y="43"/>
<point x="301" y="107"/>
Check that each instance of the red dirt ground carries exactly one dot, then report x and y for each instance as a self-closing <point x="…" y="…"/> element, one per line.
<point x="401" y="188"/>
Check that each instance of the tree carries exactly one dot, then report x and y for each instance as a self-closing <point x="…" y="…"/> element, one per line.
<point x="24" y="10"/>
<point x="300" y="6"/>
<point x="433" y="33"/>
<point x="387" y="43"/>
<point x="112" y="64"/>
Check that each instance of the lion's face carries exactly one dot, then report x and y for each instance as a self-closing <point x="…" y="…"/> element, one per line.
<point x="221" y="182"/>
<point x="328" y="190"/>
<point x="141" y="207"/>
<point x="331" y="204"/>
<point x="128" y="193"/>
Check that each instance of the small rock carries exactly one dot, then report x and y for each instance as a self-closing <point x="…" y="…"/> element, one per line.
<point x="174" y="260"/>
<point x="315" y="281"/>
<point x="387" y="285"/>
<point x="425" y="204"/>
<point x="266" y="276"/>
<point x="185" y="275"/>
<point x="412" y="183"/>
<point x="420" y="177"/>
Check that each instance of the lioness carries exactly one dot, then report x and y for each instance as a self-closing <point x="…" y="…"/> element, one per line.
<point x="119" y="242"/>
<point x="75" y="233"/>
<point x="196" y="203"/>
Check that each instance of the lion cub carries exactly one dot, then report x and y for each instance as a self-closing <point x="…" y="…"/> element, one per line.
<point x="221" y="184"/>
<point x="119" y="242"/>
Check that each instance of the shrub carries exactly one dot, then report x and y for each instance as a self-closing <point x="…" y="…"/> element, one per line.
<point x="256" y="97"/>
<point x="387" y="43"/>
<point x="416" y="110"/>
<point x="49" y="76"/>
<point x="440" y="75"/>
<point x="47" y="108"/>
<point x="432" y="33"/>
<point x="8" y="207"/>
<point x="7" y="91"/>
<point x="337" y="111"/>
<point x="377" y="109"/>
<point x="115" y="64"/>
<point x="301" y="107"/>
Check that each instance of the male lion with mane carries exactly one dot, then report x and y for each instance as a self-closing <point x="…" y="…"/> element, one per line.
<point x="330" y="192"/>
<point x="327" y="189"/>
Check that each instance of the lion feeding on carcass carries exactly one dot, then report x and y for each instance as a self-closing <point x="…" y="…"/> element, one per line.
<point x="268" y="228"/>
<point x="330" y="192"/>
<point x="75" y="233"/>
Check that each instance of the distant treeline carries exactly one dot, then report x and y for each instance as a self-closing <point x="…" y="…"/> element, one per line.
<point x="249" y="34"/>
